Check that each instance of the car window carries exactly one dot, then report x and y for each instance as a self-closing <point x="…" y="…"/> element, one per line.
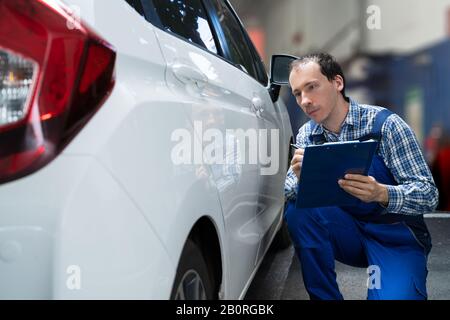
<point x="186" y="18"/>
<point x="137" y="5"/>
<point x="239" y="52"/>
<point x="259" y="64"/>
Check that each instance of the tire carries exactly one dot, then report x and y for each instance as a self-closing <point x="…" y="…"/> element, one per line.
<point x="192" y="280"/>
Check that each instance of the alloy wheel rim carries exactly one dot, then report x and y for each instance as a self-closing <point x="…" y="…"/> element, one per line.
<point x="191" y="287"/>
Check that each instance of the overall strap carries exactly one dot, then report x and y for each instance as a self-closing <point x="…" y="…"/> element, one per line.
<point x="380" y="118"/>
<point x="315" y="139"/>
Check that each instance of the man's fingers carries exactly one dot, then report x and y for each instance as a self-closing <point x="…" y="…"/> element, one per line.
<point x="354" y="184"/>
<point x="360" y="178"/>
<point x="297" y="159"/>
<point x="297" y="166"/>
<point x="355" y="191"/>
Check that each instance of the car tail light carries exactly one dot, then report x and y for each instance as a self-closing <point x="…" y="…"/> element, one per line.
<point x="54" y="75"/>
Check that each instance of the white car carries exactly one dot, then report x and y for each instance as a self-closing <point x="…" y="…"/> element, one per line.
<point x="101" y="104"/>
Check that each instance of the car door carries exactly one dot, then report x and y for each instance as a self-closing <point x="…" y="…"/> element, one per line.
<point x="217" y="97"/>
<point x="272" y="153"/>
<point x="274" y="148"/>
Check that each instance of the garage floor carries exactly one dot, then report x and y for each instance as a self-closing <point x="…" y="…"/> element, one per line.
<point x="279" y="276"/>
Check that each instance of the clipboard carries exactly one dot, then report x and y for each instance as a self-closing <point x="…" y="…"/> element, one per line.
<point x="323" y="165"/>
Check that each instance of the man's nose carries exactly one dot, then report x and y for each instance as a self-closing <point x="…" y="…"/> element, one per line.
<point x="305" y="101"/>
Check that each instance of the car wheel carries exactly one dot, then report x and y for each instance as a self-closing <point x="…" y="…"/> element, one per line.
<point x="192" y="281"/>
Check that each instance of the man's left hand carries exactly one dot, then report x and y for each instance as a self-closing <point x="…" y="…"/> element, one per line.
<point x="365" y="188"/>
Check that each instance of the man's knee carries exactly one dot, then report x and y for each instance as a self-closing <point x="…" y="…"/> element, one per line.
<point x="401" y="288"/>
<point x="305" y="225"/>
<point x="299" y="218"/>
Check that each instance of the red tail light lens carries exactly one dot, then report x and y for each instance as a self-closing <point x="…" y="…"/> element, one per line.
<point x="53" y="78"/>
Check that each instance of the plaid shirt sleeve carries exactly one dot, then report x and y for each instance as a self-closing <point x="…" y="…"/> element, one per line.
<point x="290" y="190"/>
<point x="290" y="185"/>
<point x="416" y="192"/>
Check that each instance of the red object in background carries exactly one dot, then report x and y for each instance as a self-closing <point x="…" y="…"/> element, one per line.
<point x="258" y="37"/>
<point x="441" y="172"/>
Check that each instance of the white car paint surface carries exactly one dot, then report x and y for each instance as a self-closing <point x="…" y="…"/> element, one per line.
<point x="109" y="216"/>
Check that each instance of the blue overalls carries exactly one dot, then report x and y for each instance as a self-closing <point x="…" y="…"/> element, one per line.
<point x="394" y="246"/>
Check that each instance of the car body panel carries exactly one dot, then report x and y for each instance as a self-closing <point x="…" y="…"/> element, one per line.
<point x="115" y="207"/>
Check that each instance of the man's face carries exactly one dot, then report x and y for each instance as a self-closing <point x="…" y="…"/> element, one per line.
<point x="315" y="94"/>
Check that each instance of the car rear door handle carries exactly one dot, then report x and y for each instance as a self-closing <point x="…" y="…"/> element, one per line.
<point x="187" y="74"/>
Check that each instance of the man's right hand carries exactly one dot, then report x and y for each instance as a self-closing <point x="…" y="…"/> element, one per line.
<point x="297" y="160"/>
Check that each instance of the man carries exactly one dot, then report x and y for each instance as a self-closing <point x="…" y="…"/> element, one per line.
<point x="386" y="232"/>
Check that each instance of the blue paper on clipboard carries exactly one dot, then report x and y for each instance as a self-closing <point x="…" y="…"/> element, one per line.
<point x="323" y="165"/>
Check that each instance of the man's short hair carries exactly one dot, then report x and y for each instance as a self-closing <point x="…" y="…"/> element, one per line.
<point x="328" y="67"/>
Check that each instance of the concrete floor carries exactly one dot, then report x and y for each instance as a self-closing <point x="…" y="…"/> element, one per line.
<point x="279" y="276"/>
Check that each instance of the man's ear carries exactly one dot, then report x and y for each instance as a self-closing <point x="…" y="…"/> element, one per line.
<point x="339" y="82"/>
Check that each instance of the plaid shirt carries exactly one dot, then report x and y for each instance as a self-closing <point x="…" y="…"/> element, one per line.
<point x="416" y="192"/>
